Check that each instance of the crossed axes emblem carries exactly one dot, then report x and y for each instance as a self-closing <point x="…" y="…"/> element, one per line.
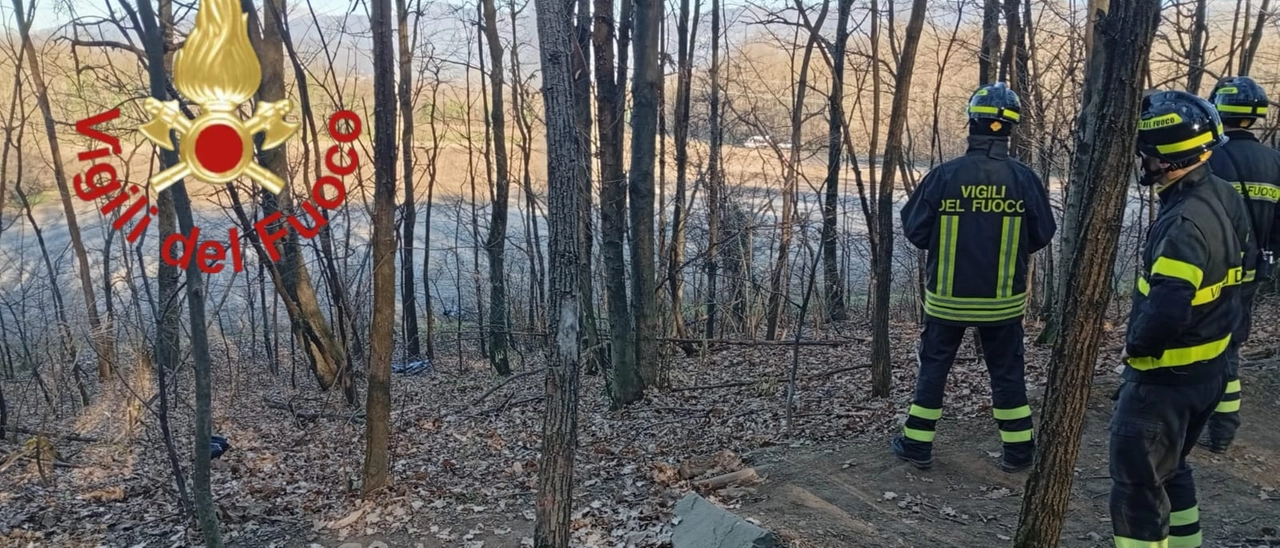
<point x="217" y="146"/>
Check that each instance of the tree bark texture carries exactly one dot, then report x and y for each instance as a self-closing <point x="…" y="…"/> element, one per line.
<point x="377" y="460"/>
<point x="714" y="179"/>
<point x="881" y="364"/>
<point x="1247" y="56"/>
<point x="560" y="422"/>
<point x="1195" y="52"/>
<point x="832" y="283"/>
<point x="989" y="52"/>
<point x="644" y="133"/>
<point x="582" y="113"/>
<point x="408" y="291"/>
<point x="495" y="243"/>
<point x="687" y="35"/>
<point x="325" y="354"/>
<point x="1100" y="174"/>
<point x="625" y="384"/>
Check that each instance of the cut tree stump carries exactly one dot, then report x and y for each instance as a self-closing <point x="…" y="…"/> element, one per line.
<point x="705" y="525"/>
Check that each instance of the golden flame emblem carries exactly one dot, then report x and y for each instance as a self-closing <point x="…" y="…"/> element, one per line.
<point x="218" y="70"/>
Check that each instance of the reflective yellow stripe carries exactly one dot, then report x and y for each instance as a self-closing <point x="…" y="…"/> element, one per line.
<point x="1204" y="295"/>
<point x="1175" y="357"/>
<point x="918" y="435"/>
<point x="1190" y="541"/>
<point x="925" y="412"/>
<point x="1232" y="406"/>
<point x="973" y="315"/>
<point x="1184" y="517"/>
<point x="1010" y="236"/>
<point x="1015" y="437"/>
<point x="975" y="303"/>
<point x="994" y="110"/>
<point x="1233" y="386"/>
<point x="948" y="229"/>
<point x="1186" y="145"/>
<point x="1124" y="542"/>
<point x="1181" y="270"/>
<point x="1259" y="191"/>
<point x="1250" y="275"/>
<point x="1260" y="111"/>
<point x="1012" y="414"/>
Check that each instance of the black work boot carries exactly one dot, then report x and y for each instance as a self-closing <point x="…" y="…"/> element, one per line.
<point x="1017" y="456"/>
<point x="1220" y="432"/>
<point x="919" y="454"/>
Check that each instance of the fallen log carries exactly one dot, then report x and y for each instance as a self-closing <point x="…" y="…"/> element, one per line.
<point x="746" y="476"/>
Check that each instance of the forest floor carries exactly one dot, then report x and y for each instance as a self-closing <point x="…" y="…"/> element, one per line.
<point x="465" y="450"/>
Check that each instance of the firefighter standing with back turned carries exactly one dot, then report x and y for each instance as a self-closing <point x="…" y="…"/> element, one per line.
<point x="1184" y="312"/>
<point x="1254" y="169"/>
<point x="980" y="217"/>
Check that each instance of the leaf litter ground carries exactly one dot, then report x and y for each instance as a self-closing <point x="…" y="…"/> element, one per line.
<point x="465" y="469"/>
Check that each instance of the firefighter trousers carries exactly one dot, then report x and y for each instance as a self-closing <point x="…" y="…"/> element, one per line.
<point x="1153" y="494"/>
<point x="1002" y="348"/>
<point x="1226" y="417"/>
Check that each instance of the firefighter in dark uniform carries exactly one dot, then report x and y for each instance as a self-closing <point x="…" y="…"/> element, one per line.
<point x="1254" y="170"/>
<point x="980" y="217"/>
<point x="1184" y="311"/>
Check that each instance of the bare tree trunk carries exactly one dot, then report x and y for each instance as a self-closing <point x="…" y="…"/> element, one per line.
<point x="1100" y="174"/>
<point x="101" y="331"/>
<point x="687" y="36"/>
<point x="779" y="278"/>
<point x="881" y="366"/>
<point x="168" y="309"/>
<point x="832" y="281"/>
<point x="582" y="113"/>
<point x="714" y="178"/>
<point x="989" y="55"/>
<point x="206" y="512"/>
<point x="560" y="423"/>
<point x="1248" y="55"/>
<point x="377" y="460"/>
<point x="327" y="358"/>
<point x="433" y="157"/>
<point x="625" y="384"/>
<point x="1013" y="67"/>
<point x="1195" y="53"/>
<point x="644" y="128"/>
<point x="1070" y="232"/>
<point x="408" y="291"/>
<point x="496" y="243"/>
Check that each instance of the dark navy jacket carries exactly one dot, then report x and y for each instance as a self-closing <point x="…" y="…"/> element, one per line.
<point x="980" y="216"/>
<point x="1187" y="301"/>
<point x="1254" y="169"/>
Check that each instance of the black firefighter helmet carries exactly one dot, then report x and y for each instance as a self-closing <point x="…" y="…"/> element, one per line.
<point x="995" y="102"/>
<point x="1239" y="97"/>
<point x="1177" y="127"/>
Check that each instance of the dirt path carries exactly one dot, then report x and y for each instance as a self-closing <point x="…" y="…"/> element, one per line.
<point x="858" y="495"/>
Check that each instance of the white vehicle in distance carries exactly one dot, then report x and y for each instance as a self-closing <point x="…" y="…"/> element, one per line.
<point x="760" y="141"/>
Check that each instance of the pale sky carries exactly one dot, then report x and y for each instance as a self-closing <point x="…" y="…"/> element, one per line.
<point x="52" y="13"/>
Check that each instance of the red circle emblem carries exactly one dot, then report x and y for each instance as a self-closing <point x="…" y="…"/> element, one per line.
<point x="218" y="148"/>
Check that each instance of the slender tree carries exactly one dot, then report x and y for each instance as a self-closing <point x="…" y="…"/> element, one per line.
<point x="1196" y="50"/>
<point x="101" y="330"/>
<point x="644" y="133"/>
<point x="882" y="266"/>
<point x="408" y="292"/>
<point x="560" y="423"/>
<point x="496" y="242"/>
<point x="833" y="284"/>
<point x="377" y="460"/>
<point x="687" y="36"/>
<point x="1255" y="39"/>
<point x="714" y="176"/>
<point x="625" y="384"/>
<point x="1100" y="174"/>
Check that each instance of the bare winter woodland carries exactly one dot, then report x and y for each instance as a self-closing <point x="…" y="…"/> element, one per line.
<point x="692" y="204"/>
